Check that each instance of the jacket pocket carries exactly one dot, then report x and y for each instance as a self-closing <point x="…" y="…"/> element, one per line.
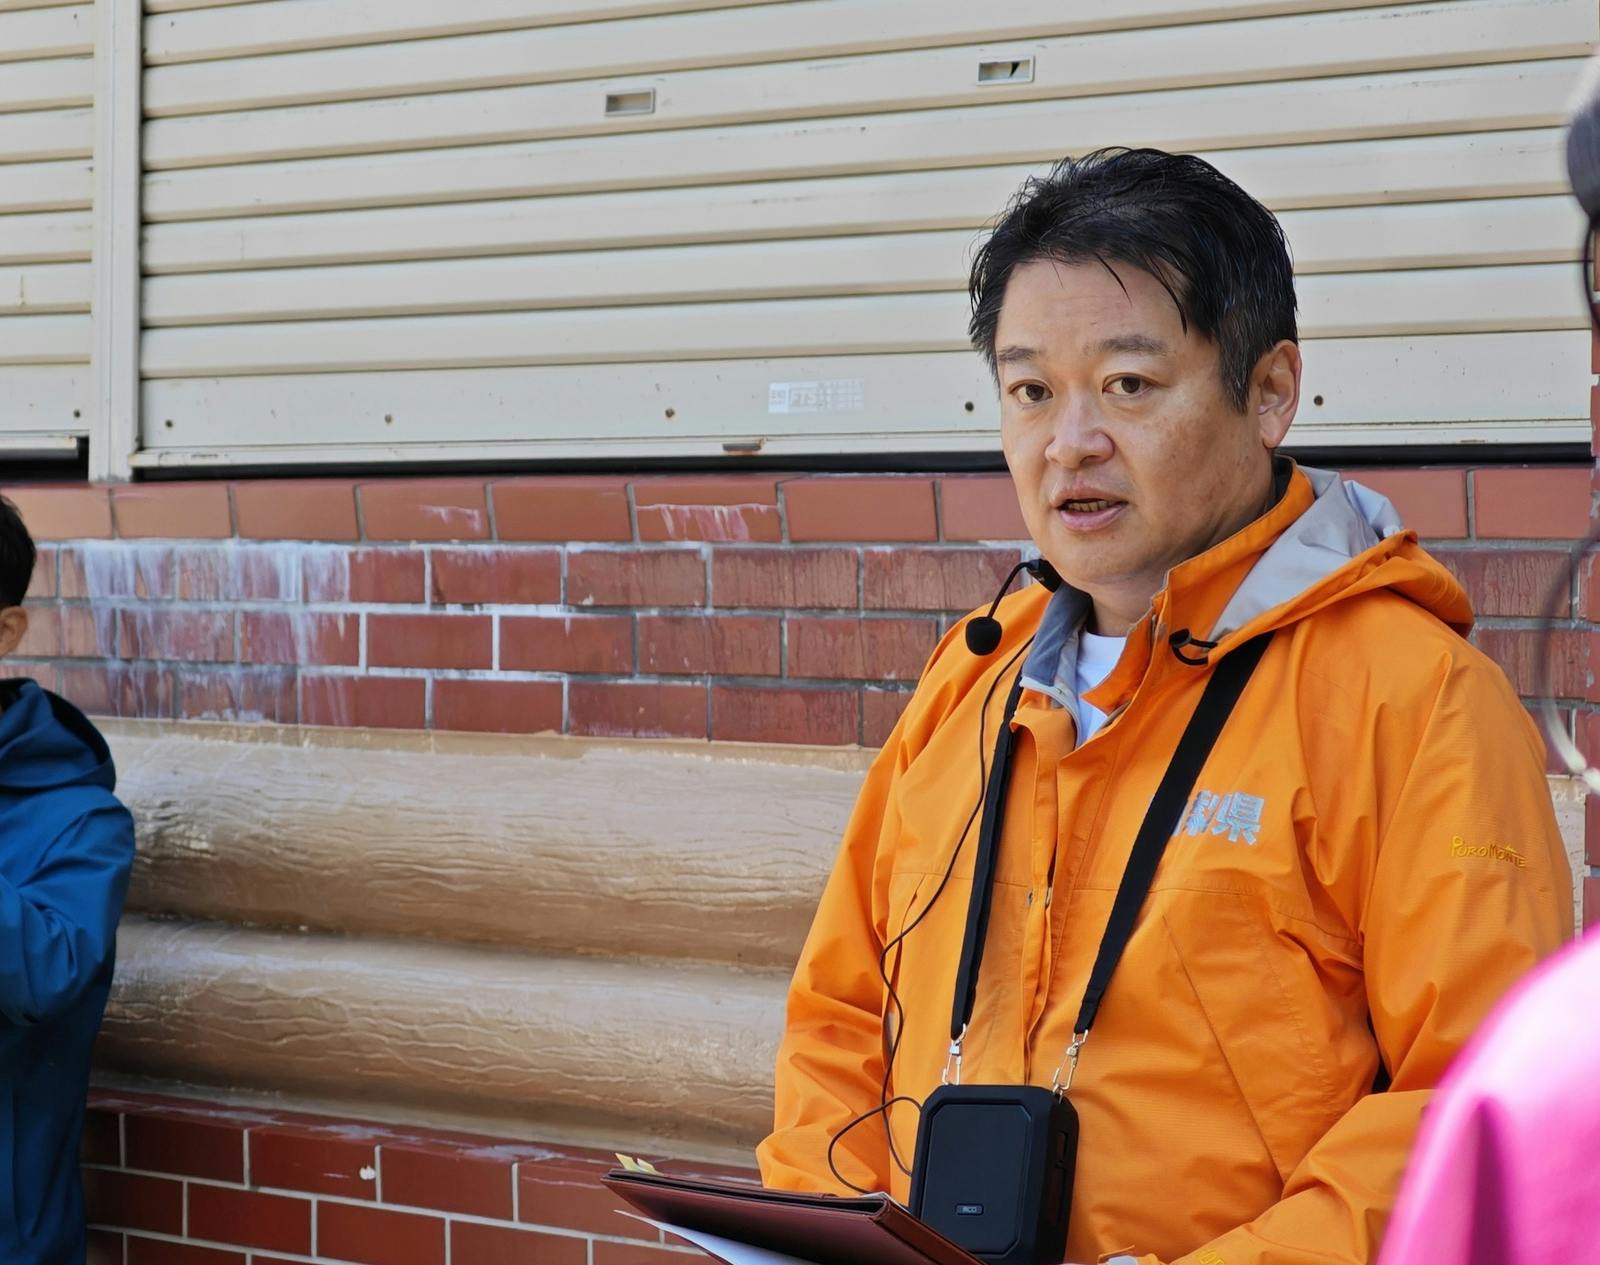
<point x="1228" y="949"/>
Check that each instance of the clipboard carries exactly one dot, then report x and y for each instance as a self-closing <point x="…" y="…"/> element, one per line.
<point x="825" y="1229"/>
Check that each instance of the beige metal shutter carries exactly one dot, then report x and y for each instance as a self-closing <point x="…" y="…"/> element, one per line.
<point x="400" y="230"/>
<point x="46" y="232"/>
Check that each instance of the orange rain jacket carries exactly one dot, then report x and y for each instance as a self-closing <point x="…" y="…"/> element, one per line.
<point x="1369" y="859"/>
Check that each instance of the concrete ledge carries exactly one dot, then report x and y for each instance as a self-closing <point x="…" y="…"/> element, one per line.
<point x="630" y="1052"/>
<point x="716" y="852"/>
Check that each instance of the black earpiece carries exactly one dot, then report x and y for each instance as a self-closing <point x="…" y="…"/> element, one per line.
<point x="983" y="632"/>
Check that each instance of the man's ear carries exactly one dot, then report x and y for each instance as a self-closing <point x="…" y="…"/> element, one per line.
<point x="13" y="628"/>
<point x="1275" y="392"/>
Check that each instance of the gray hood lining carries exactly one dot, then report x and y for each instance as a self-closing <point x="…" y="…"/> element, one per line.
<point x="1343" y="522"/>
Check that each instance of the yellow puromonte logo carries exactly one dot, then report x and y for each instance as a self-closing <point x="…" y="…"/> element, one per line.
<point x="1459" y="847"/>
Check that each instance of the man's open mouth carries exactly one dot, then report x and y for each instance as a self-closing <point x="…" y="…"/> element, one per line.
<point x="1088" y="506"/>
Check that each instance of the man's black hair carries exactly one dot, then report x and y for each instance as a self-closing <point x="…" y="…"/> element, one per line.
<point x="17" y="556"/>
<point x="1220" y="254"/>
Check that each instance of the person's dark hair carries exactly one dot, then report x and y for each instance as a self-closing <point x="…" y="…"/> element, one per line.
<point x="17" y="556"/>
<point x="1219" y="253"/>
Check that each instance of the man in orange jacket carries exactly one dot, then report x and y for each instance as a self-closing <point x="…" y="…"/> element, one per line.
<point x="1366" y="861"/>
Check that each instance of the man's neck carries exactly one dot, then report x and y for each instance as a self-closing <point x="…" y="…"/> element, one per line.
<point x="1111" y="619"/>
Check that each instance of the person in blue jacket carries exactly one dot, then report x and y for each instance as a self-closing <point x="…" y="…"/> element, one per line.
<point x="66" y="845"/>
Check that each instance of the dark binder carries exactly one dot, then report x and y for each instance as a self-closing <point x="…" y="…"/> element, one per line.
<point x="827" y="1229"/>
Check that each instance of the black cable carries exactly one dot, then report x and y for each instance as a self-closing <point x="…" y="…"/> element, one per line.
<point x="1588" y="272"/>
<point x="884" y="1101"/>
<point x="834" y="1141"/>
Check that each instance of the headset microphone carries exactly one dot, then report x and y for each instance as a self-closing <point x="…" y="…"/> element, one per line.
<point x="983" y="632"/>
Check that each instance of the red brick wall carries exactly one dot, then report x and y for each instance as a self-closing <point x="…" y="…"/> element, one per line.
<point x="782" y="609"/>
<point x="732" y="607"/>
<point x="179" y="1181"/>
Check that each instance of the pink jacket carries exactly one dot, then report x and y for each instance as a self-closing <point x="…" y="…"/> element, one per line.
<point x="1506" y="1169"/>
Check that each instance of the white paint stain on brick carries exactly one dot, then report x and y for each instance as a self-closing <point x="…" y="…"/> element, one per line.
<point x="455" y="515"/>
<point x="708" y="522"/>
<point x="326" y="571"/>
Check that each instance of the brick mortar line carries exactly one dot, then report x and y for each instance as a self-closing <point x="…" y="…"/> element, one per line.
<point x="578" y="615"/>
<point x="233" y="545"/>
<point x="1500" y="544"/>
<point x="545" y="610"/>
<point x="630" y="500"/>
<point x="1532" y="623"/>
<point x="902" y="687"/>
<point x="491" y="521"/>
<point x="818" y="684"/>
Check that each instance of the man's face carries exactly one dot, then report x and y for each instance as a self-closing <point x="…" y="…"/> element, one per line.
<point x="1127" y="455"/>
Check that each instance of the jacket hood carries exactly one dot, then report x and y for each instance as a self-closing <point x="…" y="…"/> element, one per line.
<point x="1349" y="540"/>
<point x="46" y="742"/>
<point x="1326" y="540"/>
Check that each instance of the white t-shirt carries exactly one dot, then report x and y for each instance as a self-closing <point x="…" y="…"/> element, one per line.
<point x="1096" y="657"/>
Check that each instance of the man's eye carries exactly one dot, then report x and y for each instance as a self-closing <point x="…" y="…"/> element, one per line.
<point x="1127" y="384"/>
<point x="1030" y="392"/>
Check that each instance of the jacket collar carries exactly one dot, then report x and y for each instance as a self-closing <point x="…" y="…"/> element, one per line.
<point x="1318" y="524"/>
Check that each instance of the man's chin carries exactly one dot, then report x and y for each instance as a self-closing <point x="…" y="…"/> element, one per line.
<point x="1085" y="565"/>
<point x="1104" y="574"/>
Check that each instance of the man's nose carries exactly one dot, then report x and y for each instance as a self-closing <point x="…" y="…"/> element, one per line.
<point x="1079" y="436"/>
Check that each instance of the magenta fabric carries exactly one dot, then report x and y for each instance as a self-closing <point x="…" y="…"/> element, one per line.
<point x="1506" y="1169"/>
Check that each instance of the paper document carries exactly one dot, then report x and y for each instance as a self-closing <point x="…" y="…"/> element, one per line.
<point x="734" y="1253"/>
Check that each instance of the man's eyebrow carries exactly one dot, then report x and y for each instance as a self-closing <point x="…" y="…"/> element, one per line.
<point x="1015" y="355"/>
<point x="1131" y="343"/>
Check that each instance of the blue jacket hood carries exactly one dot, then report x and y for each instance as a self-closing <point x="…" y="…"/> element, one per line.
<point x="46" y="742"/>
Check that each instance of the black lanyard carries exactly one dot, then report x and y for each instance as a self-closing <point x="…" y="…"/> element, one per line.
<point x="1222" y="691"/>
